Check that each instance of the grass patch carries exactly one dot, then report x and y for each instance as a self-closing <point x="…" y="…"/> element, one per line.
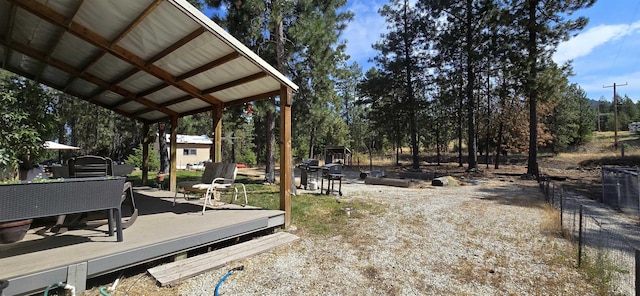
<point x="600" y="271"/>
<point x="310" y="213"/>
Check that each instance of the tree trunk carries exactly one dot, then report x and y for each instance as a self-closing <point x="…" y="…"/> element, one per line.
<point x="438" y="143"/>
<point x="279" y="39"/>
<point x="460" y="131"/>
<point x="499" y="145"/>
<point x="412" y="99"/>
<point x="471" y="116"/>
<point x="270" y="175"/>
<point x="532" y="162"/>
<point x="233" y="147"/>
<point x="312" y="140"/>
<point x="164" y="154"/>
<point x="397" y="144"/>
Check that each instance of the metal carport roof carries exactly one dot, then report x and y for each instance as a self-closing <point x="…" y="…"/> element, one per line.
<point x="145" y="59"/>
<point x="150" y="60"/>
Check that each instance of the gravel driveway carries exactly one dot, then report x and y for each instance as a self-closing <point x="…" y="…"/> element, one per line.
<point x="495" y="237"/>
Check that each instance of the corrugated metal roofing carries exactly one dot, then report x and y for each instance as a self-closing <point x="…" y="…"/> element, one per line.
<point x="190" y="139"/>
<point x="145" y="59"/>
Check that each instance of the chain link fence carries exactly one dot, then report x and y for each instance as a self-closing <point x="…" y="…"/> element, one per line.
<point x="620" y="189"/>
<point x="603" y="248"/>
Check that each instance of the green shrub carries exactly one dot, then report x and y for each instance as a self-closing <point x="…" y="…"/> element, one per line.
<point x="136" y="159"/>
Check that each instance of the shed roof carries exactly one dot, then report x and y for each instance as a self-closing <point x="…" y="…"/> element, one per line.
<point x="145" y="59"/>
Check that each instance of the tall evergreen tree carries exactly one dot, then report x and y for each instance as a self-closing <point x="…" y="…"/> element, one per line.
<point x="301" y="38"/>
<point x="538" y="27"/>
<point x="459" y="43"/>
<point x="402" y="56"/>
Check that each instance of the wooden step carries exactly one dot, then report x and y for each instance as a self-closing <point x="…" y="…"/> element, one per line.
<point x="174" y="272"/>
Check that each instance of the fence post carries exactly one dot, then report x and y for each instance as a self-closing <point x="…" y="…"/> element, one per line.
<point x="546" y="190"/>
<point x="603" y="184"/>
<point x="580" y="237"/>
<point x="561" y="205"/>
<point x="618" y="190"/>
<point x="553" y="195"/>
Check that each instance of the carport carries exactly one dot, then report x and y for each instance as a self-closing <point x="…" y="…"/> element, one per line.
<point x="151" y="60"/>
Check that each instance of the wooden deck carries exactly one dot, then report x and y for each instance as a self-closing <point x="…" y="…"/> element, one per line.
<point x="161" y="230"/>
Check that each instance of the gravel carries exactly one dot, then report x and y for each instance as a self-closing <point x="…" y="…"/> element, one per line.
<point x="491" y="238"/>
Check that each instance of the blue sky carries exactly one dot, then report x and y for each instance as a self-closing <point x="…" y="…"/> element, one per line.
<point x="607" y="51"/>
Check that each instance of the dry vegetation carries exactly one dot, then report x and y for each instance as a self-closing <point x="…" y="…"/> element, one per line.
<point x="494" y="235"/>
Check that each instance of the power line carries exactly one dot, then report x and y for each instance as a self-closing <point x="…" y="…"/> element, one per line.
<point x="615" y="114"/>
<point x="624" y="38"/>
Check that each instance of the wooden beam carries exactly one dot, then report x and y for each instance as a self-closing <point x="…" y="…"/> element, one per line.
<point x="176" y="101"/>
<point x="147" y="11"/>
<point x="158" y="56"/>
<point x="184" y="40"/>
<point x="57" y="39"/>
<point x="285" y="154"/>
<point x="102" y="43"/>
<point x="124" y="76"/>
<point x="121" y="35"/>
<point x="208" y="66"/>
<point x="217" y="134"/>
<point x="146" y="140"/>
<point x="149" y="91"/>
<point x="77" y="95"/>
<point x="253" y="98"/>
<point x="234" y="83"/>
<point x="41" y="57"/>
<point x="192" y="112"/>
<point x="174" y="272"/>
<point x="8" y="33"/>
<point x="172" y="157"/>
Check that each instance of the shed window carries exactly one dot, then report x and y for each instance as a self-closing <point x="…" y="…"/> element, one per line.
<point x="189" y="152"/>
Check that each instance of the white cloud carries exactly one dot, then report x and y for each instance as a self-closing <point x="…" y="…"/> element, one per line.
<point x="594" y="85"/>
<point x="364" y="30"/>
<point x="584" y="43"/>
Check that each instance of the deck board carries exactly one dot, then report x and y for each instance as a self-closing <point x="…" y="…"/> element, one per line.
<point x="161" y="230"/>
<point x="171" y="273"/>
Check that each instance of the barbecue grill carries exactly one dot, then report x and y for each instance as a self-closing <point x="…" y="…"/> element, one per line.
<point x="332" y="172"/>
<point x="308" y="166"/>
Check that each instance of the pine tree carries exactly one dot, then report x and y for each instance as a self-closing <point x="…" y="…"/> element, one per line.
<point x="538" y="27"/>
<point x="402" y="57"/>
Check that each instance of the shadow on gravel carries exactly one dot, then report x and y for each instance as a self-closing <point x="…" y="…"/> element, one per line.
<point x="521" y="195"/>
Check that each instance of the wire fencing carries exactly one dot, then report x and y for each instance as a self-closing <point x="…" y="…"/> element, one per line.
<point x="604" y="248"/>
<point x="620" y="189"/>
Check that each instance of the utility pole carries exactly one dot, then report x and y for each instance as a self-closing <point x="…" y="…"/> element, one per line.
<point x="615" y="114"/>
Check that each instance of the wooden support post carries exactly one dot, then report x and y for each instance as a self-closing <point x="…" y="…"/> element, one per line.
<point x="146" y="140"/>
<point x="215" y="152"/>
<point x="173" y="154"/>
<point x="285" y="153"/>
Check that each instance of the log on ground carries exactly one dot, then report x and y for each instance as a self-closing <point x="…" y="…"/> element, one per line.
<point x="406" y="183"/>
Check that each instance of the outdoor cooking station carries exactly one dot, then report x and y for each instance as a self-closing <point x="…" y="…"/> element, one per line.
<point x="307" y="167"/>
<point x="332" y="172"/>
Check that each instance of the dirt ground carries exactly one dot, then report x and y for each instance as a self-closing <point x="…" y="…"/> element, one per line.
<point x="469" y="240"/>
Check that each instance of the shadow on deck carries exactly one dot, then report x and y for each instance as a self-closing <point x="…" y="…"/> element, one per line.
<point x="161" y="230"/>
